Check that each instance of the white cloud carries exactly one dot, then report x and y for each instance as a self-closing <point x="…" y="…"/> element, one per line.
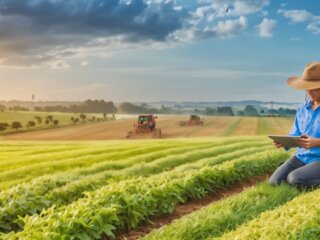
<point x="300" y="16"/>
<point x="266" y="27"/>
<point x="296" y="15"/>
<point x="230" y="28"/>
<point x="228" y="8"/>
<point x="314" y="27"/>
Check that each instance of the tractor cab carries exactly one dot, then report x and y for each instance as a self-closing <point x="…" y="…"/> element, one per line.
<point x="146" y="125"/>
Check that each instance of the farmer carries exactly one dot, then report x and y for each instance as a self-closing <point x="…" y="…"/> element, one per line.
<point x="303" y="169"/>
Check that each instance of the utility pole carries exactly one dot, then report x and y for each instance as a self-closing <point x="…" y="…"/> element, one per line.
<point x="271" y="108"/>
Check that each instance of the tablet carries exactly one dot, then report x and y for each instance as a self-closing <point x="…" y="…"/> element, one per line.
<point x="285" y="140"/>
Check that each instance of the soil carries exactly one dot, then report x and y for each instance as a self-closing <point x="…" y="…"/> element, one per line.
<point x="187" y="208"/>
<point x="212" y="127"/>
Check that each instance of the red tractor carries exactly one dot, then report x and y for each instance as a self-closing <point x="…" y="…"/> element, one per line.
<point x="146" y="125"/>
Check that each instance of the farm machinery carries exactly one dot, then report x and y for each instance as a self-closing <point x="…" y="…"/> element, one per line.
<point x="193" y="121"/>
<point x="146" y="126"/>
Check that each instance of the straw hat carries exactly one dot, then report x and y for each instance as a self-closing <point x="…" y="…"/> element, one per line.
<point x="310" y="78"/>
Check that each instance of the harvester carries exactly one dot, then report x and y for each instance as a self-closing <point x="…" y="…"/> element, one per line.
<point x="146" y="126"/>
<point x="193" y="121"/>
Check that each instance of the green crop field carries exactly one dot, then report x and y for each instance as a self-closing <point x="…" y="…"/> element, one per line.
<point x="100" y="190"/>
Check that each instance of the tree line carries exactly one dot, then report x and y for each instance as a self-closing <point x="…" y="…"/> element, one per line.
<point x="249" y="111"/>
<point x="101" y="106"/>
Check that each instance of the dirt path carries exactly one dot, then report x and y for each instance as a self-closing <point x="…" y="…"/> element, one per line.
<point x="184" y="209"/>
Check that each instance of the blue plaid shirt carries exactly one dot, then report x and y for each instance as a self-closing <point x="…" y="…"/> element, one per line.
<point x="307" y="122"/>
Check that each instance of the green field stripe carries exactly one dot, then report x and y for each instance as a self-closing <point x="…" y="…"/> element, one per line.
<point x="39" y="186"/>
<point x="106" y="164"/>
<point x="56" y="156"/>
<point x="81" y="160"/>
<point x="93" y="152"/>
<point x="118" y="165"/>
<point x="297" y="219"/>
<point x="73" y="190"/>
<point x="225" y="215"/>
<point x="263" y="126"/>
<point x="210" y="161"/>
<point x="70" y="192"/>
<point x="125" y="204"/>
<point x="232" y="127"/>
<point x="192" y="157"/>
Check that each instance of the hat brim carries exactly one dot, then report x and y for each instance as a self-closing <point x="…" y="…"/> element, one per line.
<point x="300" y="83"/>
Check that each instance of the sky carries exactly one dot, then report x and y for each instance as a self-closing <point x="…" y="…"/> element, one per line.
<point x="156" y="50"/>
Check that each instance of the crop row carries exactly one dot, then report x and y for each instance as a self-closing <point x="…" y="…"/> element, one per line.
<point x="124" y="204"/>
<point x="28" y="199"/>
<point x="297" y="219"/>
<point x="84" y="159"/>
<point x="225" y="215"/>
<point x="48" y="182"/>
<point x="50" y="156"/>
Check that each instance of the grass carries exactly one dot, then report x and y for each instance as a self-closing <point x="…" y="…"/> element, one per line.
<point x="24" y="117"/>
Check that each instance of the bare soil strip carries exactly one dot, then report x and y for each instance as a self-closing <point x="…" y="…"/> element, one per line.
<point x="213" y="127"/>
<point x="187" y="208"/>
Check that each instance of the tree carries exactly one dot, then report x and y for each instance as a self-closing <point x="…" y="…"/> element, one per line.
<point x="225" y="111"/>
<point x="50" y="118"/>
<point x="31" y="124"/>
<point x="3" y="126"/>
<point x="56" y="122"/>
<point x="210" y="111"/>
<point x="74" y="120"/>
<point x="2" y="108"/>
<point x="16" y="125"/>
<point x="240" y="113"/>
<point x="250" y="110"/>
<point x="47" y="121"/>
<point x="83" y="117"/>
<point x="39" y="119"/>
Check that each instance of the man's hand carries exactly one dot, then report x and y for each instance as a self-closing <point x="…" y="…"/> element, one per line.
<point x="277" y="145"/>
<point x="308" y="142"/>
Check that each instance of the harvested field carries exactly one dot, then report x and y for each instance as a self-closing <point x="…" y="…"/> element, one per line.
<point x="213" y="127"/>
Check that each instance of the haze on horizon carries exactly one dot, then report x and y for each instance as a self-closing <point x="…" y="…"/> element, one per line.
<point x="139" y="50"/>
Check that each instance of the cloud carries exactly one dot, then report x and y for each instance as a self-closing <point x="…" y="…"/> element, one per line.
<point x="223" y="29"/>
<point x="296" y="15"/>
<point x="37" y="31"/>
<point x="314" y="27"/>
<point x="300" y="16"/>
<point x="230" y="27"/>
<point x="229" y="8"/>
<point x="266" y="27"/>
